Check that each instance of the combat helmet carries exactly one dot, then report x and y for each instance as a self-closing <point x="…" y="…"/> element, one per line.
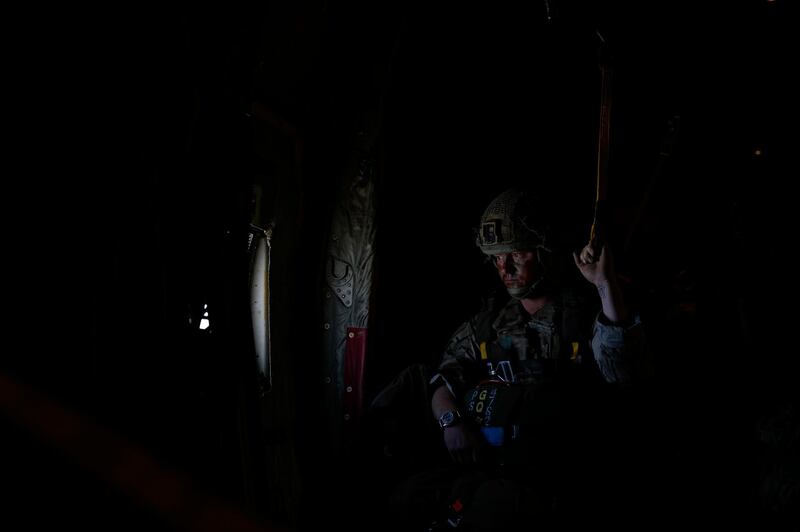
<point x="513" y="221"/>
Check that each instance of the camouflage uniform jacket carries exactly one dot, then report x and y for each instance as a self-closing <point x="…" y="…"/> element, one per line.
<point x="555" y="341"/>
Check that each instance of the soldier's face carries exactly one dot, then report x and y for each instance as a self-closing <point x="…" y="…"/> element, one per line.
<point x="517" y="270"/>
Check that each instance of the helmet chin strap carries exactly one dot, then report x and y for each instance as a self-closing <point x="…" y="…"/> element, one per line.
<point x="527" y="292"/>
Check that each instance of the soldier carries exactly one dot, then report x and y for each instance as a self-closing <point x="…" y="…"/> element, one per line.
<point x="537" y="332"/>
<point x="523" y="384"/>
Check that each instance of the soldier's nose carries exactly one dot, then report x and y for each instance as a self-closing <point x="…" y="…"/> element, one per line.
<point x="510" y="267"/>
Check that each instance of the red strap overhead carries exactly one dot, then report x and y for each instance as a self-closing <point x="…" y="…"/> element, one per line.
<point x="603" y="143"/>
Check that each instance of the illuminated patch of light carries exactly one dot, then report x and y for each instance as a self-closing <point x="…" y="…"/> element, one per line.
<point x="204" y="323"/>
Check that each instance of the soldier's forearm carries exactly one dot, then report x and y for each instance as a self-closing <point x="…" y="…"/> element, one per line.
<point x="614" y="307"/>
<point x="442" y="401"/>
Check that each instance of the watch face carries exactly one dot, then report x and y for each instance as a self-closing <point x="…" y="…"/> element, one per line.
<point x="448" y="418"/>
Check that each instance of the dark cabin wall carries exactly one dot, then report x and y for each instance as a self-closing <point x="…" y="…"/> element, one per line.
<point x="132" y="157"/>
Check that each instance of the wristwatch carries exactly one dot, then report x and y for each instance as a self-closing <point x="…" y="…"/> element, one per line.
<point x="449" y="418"/>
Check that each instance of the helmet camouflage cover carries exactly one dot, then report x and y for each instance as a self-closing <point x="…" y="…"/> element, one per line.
<point x="513" y="221"/>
